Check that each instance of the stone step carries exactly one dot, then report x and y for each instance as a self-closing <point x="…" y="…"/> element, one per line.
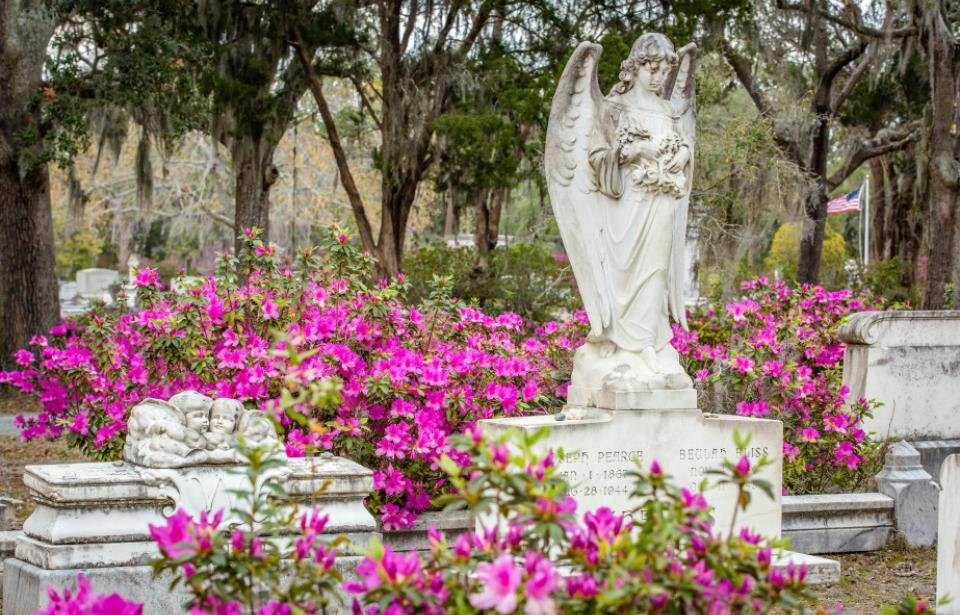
<point x="838" y="522"/>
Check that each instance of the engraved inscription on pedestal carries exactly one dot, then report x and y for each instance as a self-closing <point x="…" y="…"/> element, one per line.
<point x="601" y="449"/>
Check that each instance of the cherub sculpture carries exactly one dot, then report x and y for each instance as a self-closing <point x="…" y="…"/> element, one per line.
<point x="619" y="170"/>
<point x="192" y="429"/>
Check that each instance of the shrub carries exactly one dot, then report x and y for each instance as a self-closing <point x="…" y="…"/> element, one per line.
<point x="664" y="557"/>
<point x="529" y="279"/>
<point x="775" y="353"/>
<point x="262" y="330"/>
<point x="85" y="602"/>
<point x="785" y="251"/>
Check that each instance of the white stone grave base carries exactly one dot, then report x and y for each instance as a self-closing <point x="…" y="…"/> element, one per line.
<point x="948" y="536"/>
<point x="93" y="518"/>
<point x="600" y="448"/>
<point x="29" y="583"/>
<point x="820" y="570"/>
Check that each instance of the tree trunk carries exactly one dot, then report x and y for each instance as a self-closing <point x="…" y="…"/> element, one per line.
<point x="944" y="168"/>
<point x="254" y="175"/>
<point x="876" y="202"/>
<point x="396" y="206"/>
<point x="487" y="226"/>
<point x="28" y="280"/>
<point x="451" y="221"/>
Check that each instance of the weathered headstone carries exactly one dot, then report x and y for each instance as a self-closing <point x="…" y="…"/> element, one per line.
<point x="96" y="283"/>
<point x="181" y="284"/>
<point x="909" y="362"/>
<point x="93" y="517"/>
<point x="948" y="532"/>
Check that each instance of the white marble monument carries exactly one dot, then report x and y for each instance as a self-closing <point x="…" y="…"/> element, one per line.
<point x="948" y="536"/>
<point x="93" y="517"/>
<point x="619" y="171"/>
<point x="96" y="283"/>
<point x="910" y="362"/>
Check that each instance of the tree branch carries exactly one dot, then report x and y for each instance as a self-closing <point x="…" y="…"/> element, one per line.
<point x="479" y="21"/>
<point x="447" y="26"/>
<point x="408" y="29"/>
<point x="366" y="103"/>
<point x="333" y="136"/>
<point x="849" y="84"/>
<point x="859" y="28"/>
<point x="741" y="68"/>
<point x="884" y="142"/>
<point x="840" y="62"/>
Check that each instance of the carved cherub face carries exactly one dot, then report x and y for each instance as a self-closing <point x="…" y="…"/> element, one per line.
<point x="198" y="419"/>
<point x="195" y="407"/>
<point x="224" y="416"/>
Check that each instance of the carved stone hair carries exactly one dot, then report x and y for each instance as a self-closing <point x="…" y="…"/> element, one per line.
<point x="649" y="47"/>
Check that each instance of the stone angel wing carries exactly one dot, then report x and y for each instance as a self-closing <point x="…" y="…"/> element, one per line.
<point x="680" y="90"/>
<point x="570" y="179"/>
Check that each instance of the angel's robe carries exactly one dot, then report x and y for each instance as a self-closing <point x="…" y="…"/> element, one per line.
<point x="639" y="201"/>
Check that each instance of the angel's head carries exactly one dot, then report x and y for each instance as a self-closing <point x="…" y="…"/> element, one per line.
<point x="650" y="61"/>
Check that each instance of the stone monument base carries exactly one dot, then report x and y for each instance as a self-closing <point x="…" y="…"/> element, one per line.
<point x="93" y="518"/>
<point x="658" y="399"/>
<point x="601" y="446"/>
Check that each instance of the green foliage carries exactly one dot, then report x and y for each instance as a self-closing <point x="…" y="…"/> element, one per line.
<point x="524" y="278"/>
<point x="248" y="563"/>
<point x="785" y="250"/>
<point x="78" y="251"/>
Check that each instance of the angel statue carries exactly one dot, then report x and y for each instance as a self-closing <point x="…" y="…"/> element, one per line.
<point x="619" y="169"/>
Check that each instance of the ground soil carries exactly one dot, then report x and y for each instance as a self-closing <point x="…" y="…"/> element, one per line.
<point x="12" y="402"/>
<point x="870" y="580"/>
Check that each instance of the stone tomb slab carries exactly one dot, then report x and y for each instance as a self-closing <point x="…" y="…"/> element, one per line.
<point x="93" y="518"/>
<point x="603" y="446"/>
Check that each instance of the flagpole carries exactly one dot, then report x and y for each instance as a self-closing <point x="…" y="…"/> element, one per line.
<point x="866" y="223"/>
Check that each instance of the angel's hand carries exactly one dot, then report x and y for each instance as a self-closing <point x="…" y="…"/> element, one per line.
<point x="635" y="150"/>
<point x="679" y="160"/>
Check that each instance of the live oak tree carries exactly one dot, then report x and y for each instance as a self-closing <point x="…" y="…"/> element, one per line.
<point x="823" y="61"/>
<point x="417" y="68"/>
<point x="413" y="56"/>
<point x="235" y="57"/>
<point x="28" y="281"/>
<point x="937" y="26"/>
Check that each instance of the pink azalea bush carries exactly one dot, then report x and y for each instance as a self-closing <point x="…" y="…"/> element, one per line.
<point x="541" y="559"/>
<point x="263" y="330"/>
<point x="85" y="602"/>
<point x="775" y="353"/>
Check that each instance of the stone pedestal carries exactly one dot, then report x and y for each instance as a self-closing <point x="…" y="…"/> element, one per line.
<point x="910" y="362"/>
<point x="93" y="518"/>
<point x="602" y="446"/>
<point x="915" y="495"/>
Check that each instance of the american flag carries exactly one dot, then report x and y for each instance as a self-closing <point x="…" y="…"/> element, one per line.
<point x="845" y="203"/>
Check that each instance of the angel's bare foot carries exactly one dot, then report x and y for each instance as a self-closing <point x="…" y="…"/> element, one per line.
<point x="649" y="356"/>
<point x="678" y="380"/>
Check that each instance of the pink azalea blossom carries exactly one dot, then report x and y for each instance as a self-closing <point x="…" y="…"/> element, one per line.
<point x="499" y="581"/>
